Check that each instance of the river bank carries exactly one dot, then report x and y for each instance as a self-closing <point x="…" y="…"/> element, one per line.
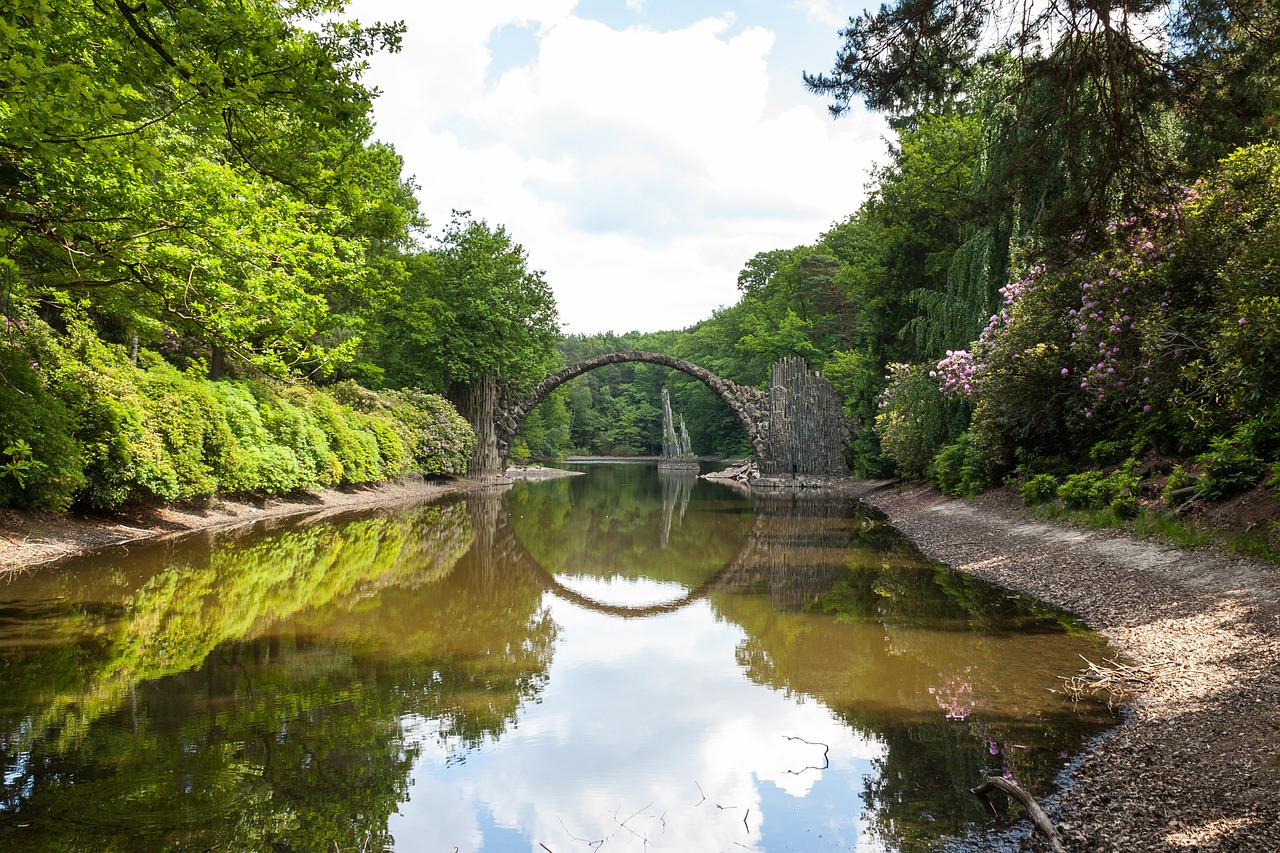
<point x="1197" y="765"/>
<point x="29" y="539"/>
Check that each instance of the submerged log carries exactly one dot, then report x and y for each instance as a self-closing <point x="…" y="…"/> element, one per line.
<point x="1038" y="815"/>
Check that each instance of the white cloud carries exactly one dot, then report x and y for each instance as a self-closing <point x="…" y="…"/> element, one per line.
<point x="820" y="11"/>
<point x="701" y="744"/>
<point x="640" y="168"/>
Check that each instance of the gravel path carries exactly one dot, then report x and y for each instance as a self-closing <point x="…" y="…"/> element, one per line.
<point x="1197" y="766"/>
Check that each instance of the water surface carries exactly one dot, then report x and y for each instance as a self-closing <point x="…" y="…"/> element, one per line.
<point x="617" y="661"/>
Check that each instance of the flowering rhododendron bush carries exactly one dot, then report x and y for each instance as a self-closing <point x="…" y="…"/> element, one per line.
<point x="915" y="418"/>
<point x="1160" y="330"/>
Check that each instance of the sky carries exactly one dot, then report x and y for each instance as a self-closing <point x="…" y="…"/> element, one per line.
<point x="705" y="763"/>
<point x="641" y="151"/>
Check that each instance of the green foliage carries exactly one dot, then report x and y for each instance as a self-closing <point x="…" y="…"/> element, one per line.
<point x="470" y="307"/>
<point x="1230" y="467"/>
<point x="231" y="196"/>
<point x="1177" y="480"/>
<point x="211" y="206"/>
<point x="89" y="426"/>
<point x="1097" y="490"/>
<point x="39" y="465"/>
<point x="257" y="463"/>
<point x="1039" y="489"/>
<point x="1085" y="489"/>
<point x="1106" y="452"/>
<point x="353" y="444"/>
<point x="546" y="432"/>
<point x="912" y="420"/>
<point x="413" y="429"/>
<point x="960" y="468"/>
<point x="290" y="425"/>
<point x="192" y="428"/>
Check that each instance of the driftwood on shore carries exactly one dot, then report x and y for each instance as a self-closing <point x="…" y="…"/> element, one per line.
<point x="1038" y="815"/>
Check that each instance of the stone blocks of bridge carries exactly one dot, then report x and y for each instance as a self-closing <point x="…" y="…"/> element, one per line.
<point x="796" y="429"/>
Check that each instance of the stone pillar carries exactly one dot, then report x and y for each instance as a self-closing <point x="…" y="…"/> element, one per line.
<point x="677" y="450"/>
<point x="807" y="426"/>
<point x="476" y="402"/>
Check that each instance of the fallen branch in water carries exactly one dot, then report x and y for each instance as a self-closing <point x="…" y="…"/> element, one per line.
<point x="1119" y="680"/>
<point x="1037" y="814"/>
<point x="826" y="755"/>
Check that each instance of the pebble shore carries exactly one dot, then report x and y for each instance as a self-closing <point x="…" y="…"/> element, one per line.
<point x="1197" y="765"/>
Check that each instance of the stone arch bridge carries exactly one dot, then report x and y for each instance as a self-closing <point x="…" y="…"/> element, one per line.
<point x="796" y="428"/>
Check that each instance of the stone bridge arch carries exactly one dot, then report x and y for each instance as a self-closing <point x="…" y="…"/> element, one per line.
<point x="749" y="405"/>
<point x="796" y="428"/>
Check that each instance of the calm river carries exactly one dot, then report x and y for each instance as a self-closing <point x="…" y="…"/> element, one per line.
<point x="621" y="661"/>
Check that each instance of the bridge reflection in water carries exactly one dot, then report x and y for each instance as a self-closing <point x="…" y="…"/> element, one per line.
<point x="479" y="667"/>
<point x="953" y="677"/>
<point x="795" y="548"/>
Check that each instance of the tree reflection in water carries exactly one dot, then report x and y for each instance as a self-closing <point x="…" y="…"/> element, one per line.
<point x="952" y="675"/>
<point x="279" y="690"/>
<point x="252" y="695"/>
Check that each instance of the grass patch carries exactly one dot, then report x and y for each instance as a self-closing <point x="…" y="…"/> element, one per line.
<point x="1255" y="544"/>
<point x="1175" y="531"/>
<point x="1172" y="529"/>
<point x="1148" y="524"/>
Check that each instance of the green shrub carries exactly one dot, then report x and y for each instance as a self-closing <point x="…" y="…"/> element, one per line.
<point x="123" y="459"/>
<point x="911" y="419"/>
<point x="1231" y="465"/>
<point x="1030" y="464"/>
<point x="1106" y="452"/>
<point x="355" y="448"/>
<point x="1177" y="480"/>
<point x="392" y="439"/>
<point x="368" y="468"/>
<point x="294" y="428"/>
<point x="394" y="436"/>
<point x="119" y="454"/>
<point x="1086" y="490"/>
<point x="960" y="468"/>
<point x="1096" y="490"/>
<point x="258" y="463"/>
<point x="192" y="427"/>
<point x="1124" y="486"/>
<point x="440" y="439"/>
<point x="1039" y="489"/>
<point x="1125" y="504"/>
<point x="40" y="465"/>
